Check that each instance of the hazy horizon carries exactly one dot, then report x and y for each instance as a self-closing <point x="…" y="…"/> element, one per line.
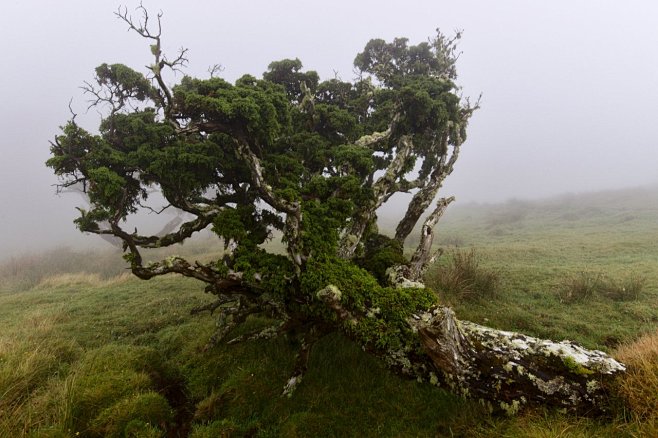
<point x="568" y="88"/>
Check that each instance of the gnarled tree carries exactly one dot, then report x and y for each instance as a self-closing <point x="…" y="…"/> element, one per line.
<point x="311" y="162"/>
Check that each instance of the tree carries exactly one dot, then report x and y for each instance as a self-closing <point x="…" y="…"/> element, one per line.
<point x="311" y="162"/>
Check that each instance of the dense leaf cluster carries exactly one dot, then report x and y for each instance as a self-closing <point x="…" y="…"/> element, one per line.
<point x="283" y="155"/>
<point x="303" y="132"/>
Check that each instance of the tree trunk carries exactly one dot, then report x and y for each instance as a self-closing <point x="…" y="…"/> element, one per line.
<point x="510" y="369"/>
<point x="504" y="370"/>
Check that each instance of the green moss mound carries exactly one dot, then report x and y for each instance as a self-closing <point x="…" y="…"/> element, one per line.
<point x="139" y="415"/>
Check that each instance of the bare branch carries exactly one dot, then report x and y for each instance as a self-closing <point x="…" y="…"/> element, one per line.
<point x="141" y="27"/>
<point x="152" y="210"/>
<point x="422" y="257"/>
<point x="215" y="69"/>
<point x="73" y="113"/>
<point x="423" y="198"/>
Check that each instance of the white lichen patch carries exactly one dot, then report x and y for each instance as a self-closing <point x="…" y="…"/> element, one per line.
<point x="292" y="383"/>
<point x="511" y="408"/>
<point x="509" y="366"/>
<point x="372" y="313"/>
<point x="398" y="358"/>
<point x="552" y="386"/>
<point x="593" y="386"/>
<point x="516" y="346"/>
<point x="408" y="284"/>
<point x="395" y="277"/>
<point x="521" y="344"/>
<point x="566" y="349"/>
<point x="331" y="292"/>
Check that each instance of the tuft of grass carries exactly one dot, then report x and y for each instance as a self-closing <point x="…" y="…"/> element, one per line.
<point x="585" y="285"/>
<point x="464" y="279"/>
<point x="26" y="368"/>
<point x="625" y="289"/>
<point x="107" y="374"/>
<point x="638" y="388"/>
<point x="579" y="287"/>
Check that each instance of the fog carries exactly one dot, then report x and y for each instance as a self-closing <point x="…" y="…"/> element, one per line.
<point x="569" y="88"/>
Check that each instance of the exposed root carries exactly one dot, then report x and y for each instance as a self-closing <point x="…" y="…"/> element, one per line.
<point x="314" y="334"/>
<point x="232" y="314"/>
<point x="211" y="307"/>
<point x="266" y="333"/>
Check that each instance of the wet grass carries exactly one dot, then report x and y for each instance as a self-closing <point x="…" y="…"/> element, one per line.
<point x="104" y="354"/>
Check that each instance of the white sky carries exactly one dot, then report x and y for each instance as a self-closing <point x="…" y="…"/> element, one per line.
<point x="570" y="88"/>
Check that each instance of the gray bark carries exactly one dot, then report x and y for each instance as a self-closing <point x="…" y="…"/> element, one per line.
<point x="504" y="370"/>
<point x="423" y="255"/>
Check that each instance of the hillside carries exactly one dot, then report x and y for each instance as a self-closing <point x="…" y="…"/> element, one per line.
<point x="85" y="350"/>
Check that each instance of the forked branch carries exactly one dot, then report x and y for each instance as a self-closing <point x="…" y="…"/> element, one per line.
<point x="143" y="28"/>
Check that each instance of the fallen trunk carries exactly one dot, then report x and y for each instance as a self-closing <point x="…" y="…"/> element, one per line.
<point x="504" y="370"/>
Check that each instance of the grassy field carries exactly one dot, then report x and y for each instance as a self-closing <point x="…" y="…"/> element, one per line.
<point x="86" y="350"/>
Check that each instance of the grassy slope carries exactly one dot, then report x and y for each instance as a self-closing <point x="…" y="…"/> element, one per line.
<point x="537" y="247"/>
<point x="78" y="349"/>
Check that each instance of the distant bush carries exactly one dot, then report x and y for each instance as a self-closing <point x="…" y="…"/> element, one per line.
<point x="584" y="285"/>
<point x="463" y="278"/>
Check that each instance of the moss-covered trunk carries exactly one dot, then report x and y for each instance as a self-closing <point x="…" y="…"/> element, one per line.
<point x="504" y="370"/>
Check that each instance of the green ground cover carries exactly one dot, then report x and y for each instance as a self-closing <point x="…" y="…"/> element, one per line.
<point x="86" y="351"/>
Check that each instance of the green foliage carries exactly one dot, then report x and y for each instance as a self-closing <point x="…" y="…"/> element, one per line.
<point x="393" y="62"/>
<point x="288" y="74"/>
<point x="220" y="428"/>
<point x="387" y="308"/>
<point x="129" y="82"/>
<point x="251" y="107"/>
<point x="275" y="271"/>
<point x="380" y="253"/>
<point x="237" y="152"/>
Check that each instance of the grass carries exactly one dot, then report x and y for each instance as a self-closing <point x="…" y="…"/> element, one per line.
<point x="86" y="350"/>
<point x="585" y="285"/>
<point x="639" y="389"/>
<point x="463" y="279"/>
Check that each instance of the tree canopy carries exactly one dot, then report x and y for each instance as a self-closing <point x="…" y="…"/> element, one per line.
<point x="287" y="156"/>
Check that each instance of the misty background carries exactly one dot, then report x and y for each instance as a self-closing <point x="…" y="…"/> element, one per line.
<point x="570" y="88"/>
